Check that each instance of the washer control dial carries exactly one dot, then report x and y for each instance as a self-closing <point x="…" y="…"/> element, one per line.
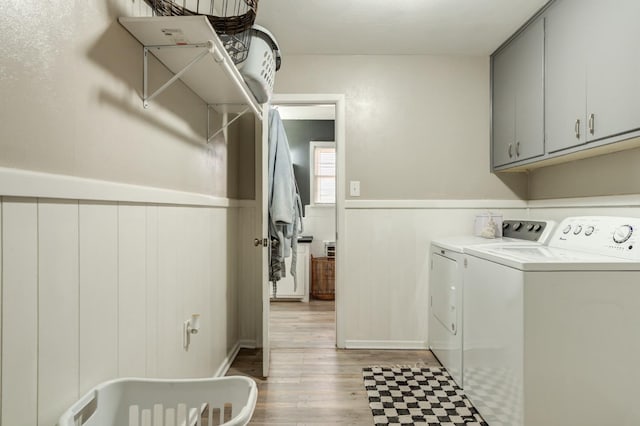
<point x="505" y="225"/>
<point x="589" y="230"/>
<point x="577" y="230"/>
<point x="517" y="226"/>
<point x="622" y="233"/>
<point x="566" y="229"/>
<point x="537" y="228"/>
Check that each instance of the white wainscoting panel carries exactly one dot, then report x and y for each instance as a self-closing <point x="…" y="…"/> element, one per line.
<point x="20" y="312"/>
<point x="386" y="284"/>
<point x="94" y="290"/>
<point x="1" y="278"/>
<point x="152" y="290"/>
<point x="132" y="290"/>
<point x="196" y="287"/>
<point x="221" y="333"/>
<point x="98" y="293"/>
<point x="231" y="254"/>
<point x="560" y="212"/>
<point x="249" y="293"/>
<point x="58" y="343"/>
<point x="170" y="298"/>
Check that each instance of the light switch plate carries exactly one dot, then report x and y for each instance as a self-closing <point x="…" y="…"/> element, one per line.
<point x="354" y="188"/>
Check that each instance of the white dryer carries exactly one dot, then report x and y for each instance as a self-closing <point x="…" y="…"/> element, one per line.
<point x="445" y="286"/>
<point x="552" y="333"/>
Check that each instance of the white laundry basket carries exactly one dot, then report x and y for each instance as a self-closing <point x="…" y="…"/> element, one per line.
<point x="228" y="401"/>
<point x="263" y="60"/>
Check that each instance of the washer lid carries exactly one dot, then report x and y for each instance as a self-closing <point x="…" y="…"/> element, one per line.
<point x="543" y="258"/>
<point x="459" y="244"/>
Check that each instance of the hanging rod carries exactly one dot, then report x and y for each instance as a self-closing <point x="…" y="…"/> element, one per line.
<point x="240" y="114"/>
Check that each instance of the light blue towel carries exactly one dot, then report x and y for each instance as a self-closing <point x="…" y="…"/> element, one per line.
<point x="285" y="206"/>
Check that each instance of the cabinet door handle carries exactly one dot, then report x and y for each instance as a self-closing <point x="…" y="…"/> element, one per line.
<point x="518" y="149"/>
<point x="592" y="119"/>
<point x="577" y="128"/>
<point x="510" y="150"/>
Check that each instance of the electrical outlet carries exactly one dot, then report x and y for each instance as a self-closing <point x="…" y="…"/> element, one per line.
<point x="354" y="188"/>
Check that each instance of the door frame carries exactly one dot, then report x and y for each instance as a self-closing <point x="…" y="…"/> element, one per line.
<point x="338" y="100"/>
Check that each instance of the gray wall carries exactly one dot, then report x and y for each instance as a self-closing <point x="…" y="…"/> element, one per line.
<point x="299" y="134"/>
<point x="240" y="165"/>
<point x="70" y="84"/>
<point x="417" y="127"/>
<point x="611" y="174"/>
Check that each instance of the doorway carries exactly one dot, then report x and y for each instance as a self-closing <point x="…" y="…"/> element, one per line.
<point x="303" y="315"/>
<point x="314" y="124"/>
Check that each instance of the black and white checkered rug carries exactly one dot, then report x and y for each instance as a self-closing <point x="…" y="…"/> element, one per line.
<point x="417" y="396"/>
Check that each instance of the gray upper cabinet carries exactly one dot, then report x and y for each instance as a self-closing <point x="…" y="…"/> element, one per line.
<point x="518" y="97"/>
<point x="613" y="67"/>
<point x="592" y="68"/>
<point x="565" y="100"/>
<point x="503" y="106"/>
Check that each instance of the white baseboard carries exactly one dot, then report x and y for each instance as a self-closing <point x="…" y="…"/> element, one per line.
<point x="247" y="344"/>
<point x="231" y="356"/>
<point x="386" y="344"/>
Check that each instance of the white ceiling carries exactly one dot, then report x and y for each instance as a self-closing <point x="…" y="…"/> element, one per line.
<point x="379" y="27"/>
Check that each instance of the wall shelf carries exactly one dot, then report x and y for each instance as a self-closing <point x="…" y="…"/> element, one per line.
<point x="189" y="47"/>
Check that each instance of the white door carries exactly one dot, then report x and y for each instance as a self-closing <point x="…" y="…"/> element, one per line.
<point x="262" y="193"/>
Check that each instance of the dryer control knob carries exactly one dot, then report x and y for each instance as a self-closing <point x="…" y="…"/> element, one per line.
<point x="622" y="234"/>
<point x="530" y="227"/>
<point x="566" y="229"/>
<point x="537" y="228"/>
<point x="589" y="230"/>
<point x="577" y="230"/>
<point x="517" y="226"/>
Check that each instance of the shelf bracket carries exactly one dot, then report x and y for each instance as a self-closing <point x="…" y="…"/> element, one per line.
<point x="208" y="48"/>
<point x="224" y="125"/>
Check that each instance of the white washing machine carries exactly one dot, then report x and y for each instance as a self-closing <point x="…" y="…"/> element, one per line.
<point x="445" y="286"/>
<point x="552" y="333"/>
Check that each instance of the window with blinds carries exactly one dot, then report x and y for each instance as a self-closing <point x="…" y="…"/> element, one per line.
<point x="323" y="172"/>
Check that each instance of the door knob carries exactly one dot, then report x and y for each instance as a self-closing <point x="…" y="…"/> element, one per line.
<point x="257" y="242"/>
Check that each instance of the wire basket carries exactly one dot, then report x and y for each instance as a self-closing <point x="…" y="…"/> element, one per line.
<point x="231" y="19"/>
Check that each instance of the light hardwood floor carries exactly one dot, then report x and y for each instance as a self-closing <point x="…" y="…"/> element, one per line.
<point x="310" y="381"/>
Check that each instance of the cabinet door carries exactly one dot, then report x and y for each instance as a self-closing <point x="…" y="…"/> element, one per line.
<point x="503" y="106"/>
<point x="565" y="98"/>
<point x="529" y="84"/>
<point x="613" y="67"/>
<point x="518" y="93"/>
<point x="286" y="287"/>
<point x="302" y="270"/>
